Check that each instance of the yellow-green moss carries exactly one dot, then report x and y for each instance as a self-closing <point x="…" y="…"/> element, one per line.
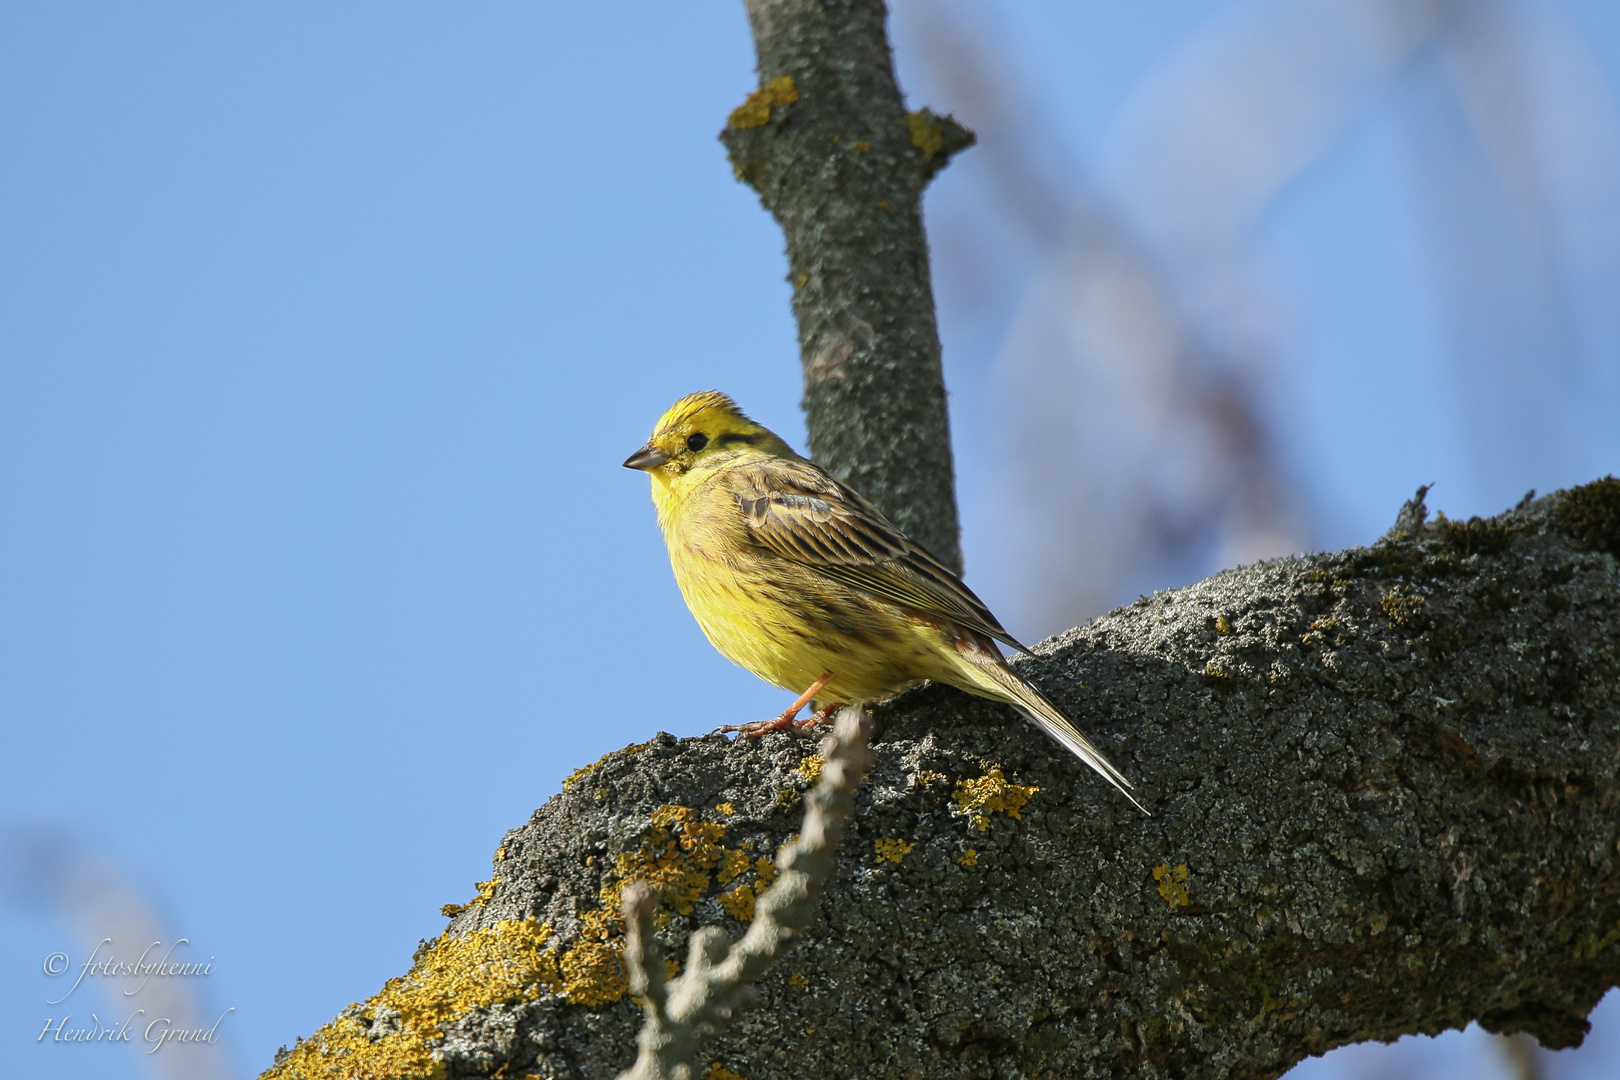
<point x="1476" y="536"/>
<point x="891" y="850"/>
<point x="1215" y="674"/>
<point x="1591" y="514"/>
<point x="1173" y="884"/>
<point x="756" y="111"/>
<point x="504" y="963"/>
<point x="990" y="794"/>
<point x="1404" y="607"/>
<point x="927" y="133"/>
<point x="1324" y="630"/>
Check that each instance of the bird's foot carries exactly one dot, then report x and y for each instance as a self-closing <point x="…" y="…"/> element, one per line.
<point x="809" y="724"/>
<point x="785" y="722"/>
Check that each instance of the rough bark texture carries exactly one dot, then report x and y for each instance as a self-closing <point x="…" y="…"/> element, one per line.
<point x="682" y="1014"/>
<point x="1385" y="796"/>
<point x="829" y="146"/>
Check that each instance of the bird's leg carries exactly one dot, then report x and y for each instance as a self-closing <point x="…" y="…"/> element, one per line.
<point x="816" y="719"/>
<point x="783" y="722"/>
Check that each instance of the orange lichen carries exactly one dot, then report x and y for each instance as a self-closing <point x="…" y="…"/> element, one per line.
<point x="486" y="890"/>
<point x="732" y="864"/>
<point x="756" y="111"/>
<point x="970" y="857"/>
<point x="1173" y="884"/>
<point x="765" y="870"/>
<point x="676" y="855"/>
<point x="739" y="902"/>
<point x="990" y="794"/>
<point x="593" y="973"/>
<point x="891" y="850"/>
<point x="388" y="1035"/>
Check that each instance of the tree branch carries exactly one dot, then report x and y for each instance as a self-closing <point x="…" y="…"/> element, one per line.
<point x="1384" y="785"/>
<point x="828" y="145"/>
<point x="719" y="976"/>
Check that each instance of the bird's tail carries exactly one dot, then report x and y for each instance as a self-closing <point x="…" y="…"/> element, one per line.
<point x="1000" y="681"/>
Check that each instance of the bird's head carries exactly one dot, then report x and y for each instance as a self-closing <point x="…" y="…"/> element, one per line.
<point x="701" y="431"/>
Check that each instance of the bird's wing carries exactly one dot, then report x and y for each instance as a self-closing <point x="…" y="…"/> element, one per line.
<point x="797" y="511"/>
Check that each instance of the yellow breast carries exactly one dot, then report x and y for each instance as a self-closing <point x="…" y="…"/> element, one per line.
<point x="781" y="620"/>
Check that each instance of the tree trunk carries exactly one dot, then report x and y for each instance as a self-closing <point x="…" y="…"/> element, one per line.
<point x="829" y="146"/>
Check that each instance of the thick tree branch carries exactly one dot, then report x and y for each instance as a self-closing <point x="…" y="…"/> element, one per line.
<point x="1384" y="786"/>
<point x="828" y="145"/>
<point x="684" y="1014"/>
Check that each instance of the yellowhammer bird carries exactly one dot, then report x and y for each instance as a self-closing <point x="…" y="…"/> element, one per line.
<point x="800" y="580"/>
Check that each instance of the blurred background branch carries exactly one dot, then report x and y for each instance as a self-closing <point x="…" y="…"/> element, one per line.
<point x="1144" y="360"/>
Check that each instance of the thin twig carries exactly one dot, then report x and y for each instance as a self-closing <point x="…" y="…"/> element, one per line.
<point x="698" y="1004"/>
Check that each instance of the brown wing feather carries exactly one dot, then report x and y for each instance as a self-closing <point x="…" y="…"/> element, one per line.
<point x="797" y="511"/>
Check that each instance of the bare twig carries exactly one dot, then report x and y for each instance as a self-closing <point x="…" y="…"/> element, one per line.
<point x="1522" y="1055"/>
<point x="684" y="1013"/>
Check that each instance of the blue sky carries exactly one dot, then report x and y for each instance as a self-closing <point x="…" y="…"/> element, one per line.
<point x="323" y="330"/>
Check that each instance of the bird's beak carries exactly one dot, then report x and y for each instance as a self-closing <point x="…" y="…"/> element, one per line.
<point x="647" y="458"/>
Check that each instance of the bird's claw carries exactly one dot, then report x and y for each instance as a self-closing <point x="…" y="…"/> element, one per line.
<point x="786" y="722"/>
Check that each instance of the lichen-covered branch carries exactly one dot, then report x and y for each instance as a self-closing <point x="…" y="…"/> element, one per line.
<point x="829" y="146"/>
<point x="1384" y="782"/>
<point x="684" y="1014"/>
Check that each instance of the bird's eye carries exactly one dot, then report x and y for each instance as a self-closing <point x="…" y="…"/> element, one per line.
<point x="696" y="441"/>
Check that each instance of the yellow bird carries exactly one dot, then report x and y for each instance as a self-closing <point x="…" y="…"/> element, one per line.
<point x="795" y="577"/>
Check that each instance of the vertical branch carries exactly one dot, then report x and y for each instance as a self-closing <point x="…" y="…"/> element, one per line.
<point x="835" y="157"/>
<point x="689" y="1010"/>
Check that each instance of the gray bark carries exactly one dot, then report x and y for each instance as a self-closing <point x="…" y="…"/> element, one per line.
<point x="684" y="1013"/>
<point x="1384" y="787"/>
<point x="842" y="168"/>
